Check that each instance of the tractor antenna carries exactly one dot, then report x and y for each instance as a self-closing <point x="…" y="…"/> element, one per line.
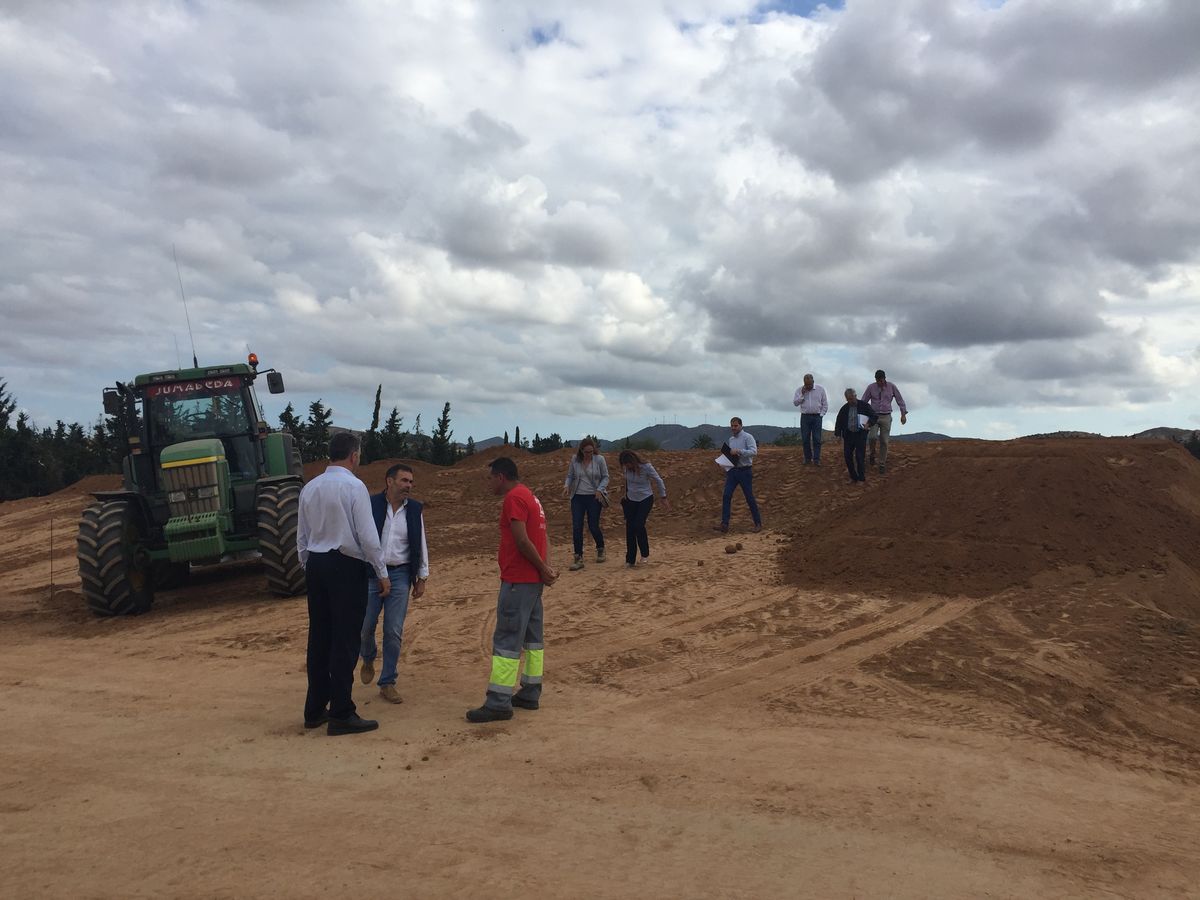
<point x="187" y="318"/>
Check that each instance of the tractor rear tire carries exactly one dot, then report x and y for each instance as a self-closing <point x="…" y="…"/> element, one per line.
<point x="115" y="579"/>
<point x="278" y="512"/>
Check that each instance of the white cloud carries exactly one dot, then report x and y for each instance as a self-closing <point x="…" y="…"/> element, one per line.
<point x="587" y="216"/>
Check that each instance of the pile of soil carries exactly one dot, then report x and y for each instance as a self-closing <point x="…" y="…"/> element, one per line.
<point x="975" y="518"/>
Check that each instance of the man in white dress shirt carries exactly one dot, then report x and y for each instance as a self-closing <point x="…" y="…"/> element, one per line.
<point x="813" y="403"/>
<point x="401" y="530"/>
<point x="338" y="546"/>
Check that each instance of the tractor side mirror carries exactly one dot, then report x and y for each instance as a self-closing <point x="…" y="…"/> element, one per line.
<point x="112" y="402"/>
<point x="275" y="382"/>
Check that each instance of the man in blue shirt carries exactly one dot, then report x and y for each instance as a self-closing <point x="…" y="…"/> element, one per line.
<point x="742" y="448"/>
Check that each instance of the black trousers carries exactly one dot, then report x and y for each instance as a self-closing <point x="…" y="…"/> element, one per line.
<point x="854" y="447"/>
<point x="636" y="513"/>
<point x="337" y="604"/>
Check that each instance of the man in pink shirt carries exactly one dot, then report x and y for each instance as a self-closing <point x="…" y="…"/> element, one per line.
<point x="880" y="397"/>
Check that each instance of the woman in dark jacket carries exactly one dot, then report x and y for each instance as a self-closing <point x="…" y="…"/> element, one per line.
<point x="853" y="432"/>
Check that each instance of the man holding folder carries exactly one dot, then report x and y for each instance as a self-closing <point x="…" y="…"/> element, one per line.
<point x="739" y="450"/>
<point x="852" y="423"/>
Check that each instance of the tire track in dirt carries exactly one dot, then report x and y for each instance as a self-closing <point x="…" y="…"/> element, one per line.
<point x="820" y="659"/>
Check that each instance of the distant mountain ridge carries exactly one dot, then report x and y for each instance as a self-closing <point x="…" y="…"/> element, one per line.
<point x="681" y="437"/>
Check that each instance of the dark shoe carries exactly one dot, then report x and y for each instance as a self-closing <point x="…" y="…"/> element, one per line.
<point x="522" y="703"/>
<point x="600" y="557"/>
<point x="871" y="460"/>
<point x="367" y="674"/>
<point x="318" y="722"/>
<point x="816" y="462"/>
<point x="723" y="527"/>
<point x="631" y="565"/>
<point x="882" y="469"/>
<point x="758" y="528"/>
<point x="486" y="714"/>
<point x="353" y="725"/>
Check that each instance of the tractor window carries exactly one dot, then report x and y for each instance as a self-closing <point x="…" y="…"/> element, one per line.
<point x="186" y="411"/>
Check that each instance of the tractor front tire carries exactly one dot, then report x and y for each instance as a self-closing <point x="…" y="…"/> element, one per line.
<point x="115" y="579"/>
<point x="278" y="511"/>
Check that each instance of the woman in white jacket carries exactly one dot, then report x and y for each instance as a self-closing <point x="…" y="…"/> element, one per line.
<point x="587" y="481"/>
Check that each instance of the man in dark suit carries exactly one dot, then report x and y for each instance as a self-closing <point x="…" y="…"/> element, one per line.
<point x="853" y="431"/>
<point x="401" y="529"/>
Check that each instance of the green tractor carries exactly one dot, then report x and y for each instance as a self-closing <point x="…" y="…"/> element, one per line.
<point x="205" y="480"/>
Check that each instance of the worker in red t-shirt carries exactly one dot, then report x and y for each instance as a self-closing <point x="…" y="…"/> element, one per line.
<point x="523" y="575"/>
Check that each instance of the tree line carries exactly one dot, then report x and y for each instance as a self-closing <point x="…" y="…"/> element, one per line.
<point x="36" y="461"/>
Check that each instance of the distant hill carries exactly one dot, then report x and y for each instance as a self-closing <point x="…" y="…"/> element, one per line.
<point x="680" y="437"/>
<point x="1160" y="433"/>
<point x="919" y="436"/>
<point x="1174" y="434"/>
<point x="1061" y="434"/>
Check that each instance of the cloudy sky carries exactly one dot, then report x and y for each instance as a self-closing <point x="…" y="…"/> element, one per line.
<point x="591" y="217"/>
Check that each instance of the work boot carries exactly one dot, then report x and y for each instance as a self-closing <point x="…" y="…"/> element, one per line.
<point x="578" y="564"/>
<point x="600" y="554"/>
<point x="723" y="527"/>
<point x="882" y="469"/>
<point x="353" y="725"/>
<point x="757" y="527"/>
<point x="389" y="693"/>
<point x="486" y="714"/>
<point x="521" y="703"/>
<point x="367" y="674"/>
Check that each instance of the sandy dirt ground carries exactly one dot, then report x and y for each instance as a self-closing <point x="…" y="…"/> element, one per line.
<point x="976" y="676"/>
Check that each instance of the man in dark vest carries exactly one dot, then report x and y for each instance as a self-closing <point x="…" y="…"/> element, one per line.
<point x="401" y="530"/>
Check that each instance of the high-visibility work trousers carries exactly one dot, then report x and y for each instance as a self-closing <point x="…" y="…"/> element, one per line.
<point x="518" y="627"/>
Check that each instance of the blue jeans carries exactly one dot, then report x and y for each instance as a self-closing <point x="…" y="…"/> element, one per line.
<point x="743" y="477"/>
<point x="810" y="436"/>
<point x="395" y="608"/>
<point x="585" y="505"/>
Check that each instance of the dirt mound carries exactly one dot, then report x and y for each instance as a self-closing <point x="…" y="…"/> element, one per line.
<point x="93" y="483"/>
<point x="975" y="518"/>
